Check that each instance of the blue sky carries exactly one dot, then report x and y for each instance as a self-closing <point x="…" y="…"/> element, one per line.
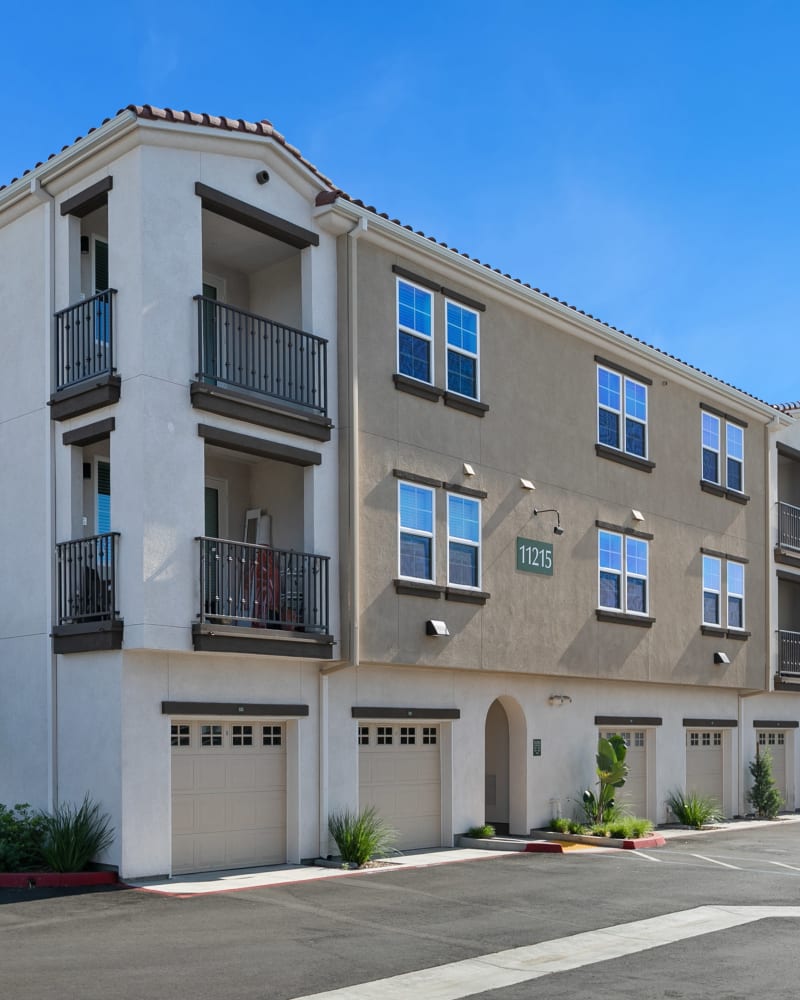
<point x="639" y="160"/>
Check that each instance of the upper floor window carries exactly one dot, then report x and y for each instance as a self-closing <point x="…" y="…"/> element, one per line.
<point x="716" y="457"/>
<point x="621" y="412"/>
<point x="623" y="567"/>
<point x="462" y="350"/>
<point x="415" y="505"/>
<point x="414" y="331"/>
<point x="716" y="600"/>
<point x="463" y="541"/>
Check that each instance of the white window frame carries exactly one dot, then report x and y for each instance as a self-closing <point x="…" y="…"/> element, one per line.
<point x="736" y="595"/>
<point x="460" y="350"/>
<point x="724" y="427"/>
<point x="401" y="328"/>
<point x="478" y="546"/>
<point x="712" y="590"/>
<point x="624" y="573"/>
<point x="729" y="426"/>
<point x="711" y="417"/>
<point x="724" y="593"/>
<point x="621" y="413"/>
<point x="416" y="531"/>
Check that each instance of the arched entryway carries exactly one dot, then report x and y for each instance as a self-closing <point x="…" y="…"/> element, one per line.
<point x="506" y="767"/>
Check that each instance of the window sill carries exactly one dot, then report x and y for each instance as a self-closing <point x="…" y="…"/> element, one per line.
<point x="742" y="635"/>
<point x="466" y="596"/>
<point x="720" y="491"/>
<point x="416" y="388"/>
<point x="632" y="461"/>
<point x="622" y="618"/>
<point x="464" y="403"/>
<point x="410" y="588"/>
<point x="713" y="630"/>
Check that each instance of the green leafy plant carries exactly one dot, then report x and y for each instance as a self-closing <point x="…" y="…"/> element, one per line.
<point x="611" y="774"/>
<point x="764" y="795"/>
<point x="628" y="827"/>
<point x="481" y="832"/>
<point x="73" y="835"/>
<point x="693" y="809"/>
<point x="561" y="824"/>
<point x="360" y="836"/>
<point x="21" y="833"/>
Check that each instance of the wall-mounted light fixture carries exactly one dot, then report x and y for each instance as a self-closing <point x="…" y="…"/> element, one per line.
<point x="720" y="657"/>
<point x="558" y="530"/>
<point x="468" y="470"/>
<point x="559" y="699"/>
<point x="526" y="484"/>
<point x="84" y="244"/>
<point x="435" y="627"/>
<point x="637" y="515"/>
<point x="262" y="176"/>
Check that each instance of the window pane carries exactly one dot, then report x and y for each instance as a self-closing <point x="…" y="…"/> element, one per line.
<point x="636" y="400"/>
<point x="634" y="438"/>
<point x="735" y="578"/>
<point x="610" y="551"/>
<point x="415" y="356"/>
<point x="462" y="328"/>
<point x="636" y="556"/>
<point x="464" y="518"/>
<point x="416" y="508"/>
<point x="414" y="308"/>
<point x="710" y="431"/>
<point x="463" y="565"/>
<point x="735" y="612"/>
<point x="710" y="608"/>
<point x="462" y="374"/>
<point x="735" y="442"/>
<point x="710" y="466"/>
<point x="637" y="595"/>
<point x="734" y="474"/>
<point x="610" y="591"/>
<point x="415" y="557"/>
<point x="608" y="428"/>
<point x="712" y="573"/>
<point x="608" y="389"/>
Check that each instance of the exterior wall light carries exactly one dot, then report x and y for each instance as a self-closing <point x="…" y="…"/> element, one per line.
<point x="720" y="657"/>
<point x="468" y="470"/>
<point x="559" y="699"/>
<point x="526" y="484"/>
<point x="434" y="627"/>
<point x="558" y="530"/>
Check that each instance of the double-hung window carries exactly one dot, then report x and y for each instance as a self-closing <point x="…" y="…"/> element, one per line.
<point x="723" y="452"/>
<point x="623" y="566"/>
<point x="414" y="331"/>
<point x="463" y="542"/>
<point x="462" y="350"/>
<point x="717" y="602"/>
<point x="416" y="516"/>
<point x="621" y="412"/>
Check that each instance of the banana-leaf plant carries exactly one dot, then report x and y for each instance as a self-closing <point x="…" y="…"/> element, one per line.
<point x="611" y="774"/>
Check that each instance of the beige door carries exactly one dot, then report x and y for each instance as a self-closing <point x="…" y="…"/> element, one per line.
<point x="774" y="740"/>
<point x="632" y="797"/>
<point x="704" y="760"/>
<point x="228" y="795"/>
<point x="399" y="774"/>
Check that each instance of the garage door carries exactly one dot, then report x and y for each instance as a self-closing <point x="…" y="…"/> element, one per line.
<point x="228" y="795"/>
<point x="632" y="797"/>
<point x="399" y="774"/>
<point x="704" y="757"/>
<point x="775" y="741"/>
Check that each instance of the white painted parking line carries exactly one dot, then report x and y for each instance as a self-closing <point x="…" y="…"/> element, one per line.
<point x="782" y="864"/>
<point x="519" y="965"/>
<point x="641" y="856"/>
<point x="713" y="861"/>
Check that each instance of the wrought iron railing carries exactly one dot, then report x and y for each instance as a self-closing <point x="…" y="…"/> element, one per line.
<point x="788" y="652"/>
<point x="788" y="526"/>
<point x="84" y="340"/>
<point x="262" y="587"/>
<point x="86" y="579"/>
<point x="245" y="351"/>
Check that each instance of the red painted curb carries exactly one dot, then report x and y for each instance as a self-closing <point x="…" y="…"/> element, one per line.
<point x="635" y="845"/>
<point x="54" y="880"/>
<point x="544" y="847"/>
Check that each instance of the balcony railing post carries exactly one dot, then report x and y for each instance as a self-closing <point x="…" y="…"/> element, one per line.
<point x="84" y="340"/>
<point x="86" y="579"/>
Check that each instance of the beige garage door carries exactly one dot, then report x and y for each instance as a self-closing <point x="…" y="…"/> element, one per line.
<point x="228" y="795"/>
<point x="632" y="797"/>
<point x="775" y="741"/>
<point x="399" y="774"/>
<point x="704" y="758"/>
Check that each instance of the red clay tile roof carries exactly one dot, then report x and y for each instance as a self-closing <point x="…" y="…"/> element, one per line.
<point x="265" y="128"/>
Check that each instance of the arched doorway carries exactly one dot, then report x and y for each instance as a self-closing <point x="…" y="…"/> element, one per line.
<point x="497" y="768"/>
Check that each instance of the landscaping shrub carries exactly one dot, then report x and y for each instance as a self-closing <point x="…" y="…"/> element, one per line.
<point x="73" y="835"/>
<point x="360" y="836"/>
<point x="481" y="832"/>
<point x="563" y="825"/>
<point x="693" y="809"/>
<point x="764" y="795"/>
<point x="611" y="771"/>
<point x="21" y="834"/>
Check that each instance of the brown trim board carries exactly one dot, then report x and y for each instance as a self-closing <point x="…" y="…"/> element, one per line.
<point x="628" y="720"/>
<point x="231" y="708"/>
<point x="90" y="434"/>
<point x="405" y="713"/>
<point x="258" y="446"/>
<point x="89" y="199"/>
<point x="254" y="218"/>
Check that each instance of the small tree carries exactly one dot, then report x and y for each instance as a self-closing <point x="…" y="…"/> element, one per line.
<point x="764" y="795"/>
<point x="611" y="774"/>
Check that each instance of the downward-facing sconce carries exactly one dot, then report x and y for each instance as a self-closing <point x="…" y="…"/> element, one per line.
<point x="558" y="530"/>
<point x="559" y="699"/>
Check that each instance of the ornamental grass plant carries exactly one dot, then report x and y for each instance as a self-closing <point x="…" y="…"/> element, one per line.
<point x="361" y="836"/>
<point x="693" y="809"/>
<point x="73" y="835"/>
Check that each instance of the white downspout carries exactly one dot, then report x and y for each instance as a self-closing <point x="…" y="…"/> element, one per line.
<point x="353" y="553"/>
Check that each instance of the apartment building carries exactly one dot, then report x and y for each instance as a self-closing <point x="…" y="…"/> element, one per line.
<point x="312" y="511"/>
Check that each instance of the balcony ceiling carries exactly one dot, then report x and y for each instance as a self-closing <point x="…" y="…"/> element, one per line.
<point x="238" y="247"/>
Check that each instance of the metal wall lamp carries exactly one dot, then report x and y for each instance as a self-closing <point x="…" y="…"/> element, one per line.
<point x="557" y="530"/>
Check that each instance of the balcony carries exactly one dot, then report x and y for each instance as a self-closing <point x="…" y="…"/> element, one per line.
<point x="87" y="617"/>
<point x="789" y="653"/>
<point x="84" y="375"/>
<point x="259" y="370"/>
<point x="259" y="599"/>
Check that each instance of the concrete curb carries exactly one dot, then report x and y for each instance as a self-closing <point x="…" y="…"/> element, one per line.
<point x="55" y="880"/>
<point x="545" y="842"/>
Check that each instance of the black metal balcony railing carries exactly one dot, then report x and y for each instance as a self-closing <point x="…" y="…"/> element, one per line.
<point x="788" y="652"/>
<point x="788" y="526"/>
<point x="255" y="585"/>
<point x="245" y="351"/>
<point x="84" y="340"/>
<point x="86" y="589"/>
